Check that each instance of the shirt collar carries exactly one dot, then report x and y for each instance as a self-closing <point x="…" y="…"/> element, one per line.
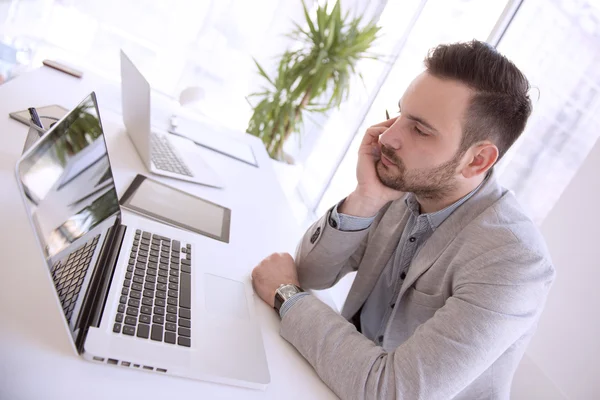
<point x="436" y="218"/>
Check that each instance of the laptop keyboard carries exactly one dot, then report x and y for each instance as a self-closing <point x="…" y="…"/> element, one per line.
<point x="68" y="275"/>
<point x="156" y="296"/>
<point x="165" y="156"/>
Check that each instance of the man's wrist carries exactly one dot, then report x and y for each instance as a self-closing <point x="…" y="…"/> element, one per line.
<point x="358" y="205"/>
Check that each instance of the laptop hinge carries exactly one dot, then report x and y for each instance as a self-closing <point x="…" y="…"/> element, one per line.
<point x="95" y="298"/>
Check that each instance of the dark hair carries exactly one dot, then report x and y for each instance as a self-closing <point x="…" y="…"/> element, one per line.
<point x="500" y="107"/>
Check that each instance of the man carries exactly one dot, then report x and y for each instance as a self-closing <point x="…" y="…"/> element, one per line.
<point x="451" y="274"/>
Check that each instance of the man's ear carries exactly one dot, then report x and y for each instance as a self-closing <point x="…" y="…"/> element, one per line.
<point x="480" y="158"/>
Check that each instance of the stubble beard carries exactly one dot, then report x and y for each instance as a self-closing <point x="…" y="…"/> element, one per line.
<point x="432" y="184"/>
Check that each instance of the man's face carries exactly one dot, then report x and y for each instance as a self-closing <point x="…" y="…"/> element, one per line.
<point x="420" y="150"/>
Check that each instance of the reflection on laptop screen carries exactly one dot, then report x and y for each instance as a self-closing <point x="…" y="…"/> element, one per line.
<point x="69" y="190"/>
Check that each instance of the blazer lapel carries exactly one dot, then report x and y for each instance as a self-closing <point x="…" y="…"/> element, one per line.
<point x="382" y="245"/>
<point x="489" y="194"/>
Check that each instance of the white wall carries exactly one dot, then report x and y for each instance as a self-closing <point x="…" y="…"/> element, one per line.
<point x="565" y="352"/>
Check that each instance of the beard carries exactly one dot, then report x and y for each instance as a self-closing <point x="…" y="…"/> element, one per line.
<point x="431" y="183"/>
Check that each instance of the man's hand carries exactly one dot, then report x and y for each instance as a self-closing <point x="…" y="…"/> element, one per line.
<point x="370" y="194"/>
<point x="272" y="272"/>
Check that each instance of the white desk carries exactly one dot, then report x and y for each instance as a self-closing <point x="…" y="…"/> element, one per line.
<point x="36" y="360"/>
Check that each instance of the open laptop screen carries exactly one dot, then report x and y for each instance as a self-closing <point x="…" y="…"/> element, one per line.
<point x="69" y="190"/>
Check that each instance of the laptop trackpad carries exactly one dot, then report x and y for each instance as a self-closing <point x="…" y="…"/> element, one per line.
<point x="225" y="297"/>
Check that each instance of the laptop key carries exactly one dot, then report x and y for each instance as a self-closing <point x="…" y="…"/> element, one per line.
<point x="146" y="235"/>
<point x="149" y="286"/>
<point x="173" y="286"/>
<point x="146" y="310"/>
<point x="117" y="328"/>
<point x="145" y="319"/>
<point x="129" y="330"/>
<point x="148" y="293"/>
<point x="121" y="308"/>
<point x="143" y="331"/>
<point x="186" y="323"/>
<point x="185" y="291"/>
<point x="159" y="310"/>
<point x="162" y="279"/>
<point x="172" y="310"/>
<point x="172" y="301"/>
<point x="186" y="268"/>
<point x="150" y="278"/>
<point x="123" y="299"/>
<point x="176" y="244"/>
<point x="133" y="303"/>
<point x="132" y="311"/>
<point x="147" y="301"/>
<point x="158" y="319"/>
<point x="172" y="293"/>
<point x="157" y="333"/>
<point x="129" y="320"/>
<point x="184" y="313"/>
<point x="119" y="317"/>
<point x="171" y="326"/>
<point x="138" y="279"/>
<point x="135" y="294"/>
<point x="170" y="337"/>
<point x="159" y="302"/>
<point x="185" y="332"/>
<point x="184" y="341"/>
<point x="171" y="318"/>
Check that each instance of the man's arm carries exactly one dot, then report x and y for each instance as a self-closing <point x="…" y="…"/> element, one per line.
<point x="334" y="245"/>
<point x="485" y="316"/>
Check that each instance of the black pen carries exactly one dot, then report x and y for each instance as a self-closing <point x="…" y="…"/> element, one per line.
<point x="387" y="115"/>
<point x="35" y="117"/>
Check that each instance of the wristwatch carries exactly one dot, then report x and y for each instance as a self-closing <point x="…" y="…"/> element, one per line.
<point x="283" y="293"/>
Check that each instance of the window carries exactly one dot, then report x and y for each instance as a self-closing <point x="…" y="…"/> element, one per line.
<point x="557" y="45"/>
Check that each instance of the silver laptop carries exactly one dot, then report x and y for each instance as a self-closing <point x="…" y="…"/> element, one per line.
<point x="134" y="293"/>
<point x="162" y="153"/>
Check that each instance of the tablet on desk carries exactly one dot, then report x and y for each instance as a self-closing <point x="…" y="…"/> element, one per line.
<point x="174" y="207"/>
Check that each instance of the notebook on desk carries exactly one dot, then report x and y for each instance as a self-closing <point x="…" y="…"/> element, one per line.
<point x="133" y="292"/>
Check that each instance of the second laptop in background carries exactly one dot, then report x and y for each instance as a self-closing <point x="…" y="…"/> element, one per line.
<point x="161" y="154"/>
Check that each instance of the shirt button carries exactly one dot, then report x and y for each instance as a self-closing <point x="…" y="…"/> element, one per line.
<point x="412" y="239"/>
<point x="380" y="339"/>
<point x="403" y="275"/>
<point x="333" y="223"/>
<point x="393" y="305"/>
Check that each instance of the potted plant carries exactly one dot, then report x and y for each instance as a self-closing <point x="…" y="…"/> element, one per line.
<point x="315" y="77"/>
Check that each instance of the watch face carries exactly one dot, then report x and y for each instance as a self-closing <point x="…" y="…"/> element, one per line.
<point x="288" y="291"/>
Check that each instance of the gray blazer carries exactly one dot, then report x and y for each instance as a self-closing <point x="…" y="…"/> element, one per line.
<point x="468" y="307"/>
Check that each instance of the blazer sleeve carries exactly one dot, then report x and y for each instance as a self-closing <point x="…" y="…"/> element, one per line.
<point x="487" y="313"/>
<point x="325" y="254"/>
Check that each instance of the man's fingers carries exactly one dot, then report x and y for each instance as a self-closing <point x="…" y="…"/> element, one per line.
<point x="387" y="123"/>
<point x="372" y="135"/>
